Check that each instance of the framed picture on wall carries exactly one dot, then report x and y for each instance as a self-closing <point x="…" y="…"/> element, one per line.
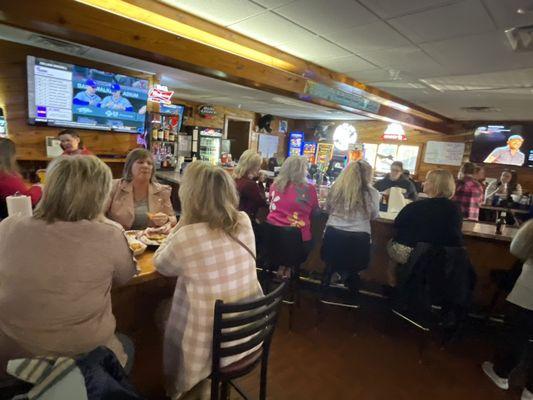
<point x="283" y="126"/>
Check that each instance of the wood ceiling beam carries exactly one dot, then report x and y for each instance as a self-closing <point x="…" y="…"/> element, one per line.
<point x="287" y="75"/>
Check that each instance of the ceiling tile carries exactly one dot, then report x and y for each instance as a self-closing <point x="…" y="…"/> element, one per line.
<point x="505" y="15"/>
<point x="273" y="3"/>
<point x="411" y="60"/>
<point x="271" y="29"/>
<point x="311" y="47"/>
<point x="395" y="8"/>
<point x="469" y="17"/>
<point x="475" y="54"/>
<point x="375" y="36"/>
<point x="222" y="12"/>
<point x="373" y="75"/>
<point x="344" y="64"/>
<point x="327" y="16"/>
<point x="522" y="78"/>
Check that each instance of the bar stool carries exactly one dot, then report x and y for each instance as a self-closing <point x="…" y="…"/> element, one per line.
<point x="343" y="252"/>
<point x="434" y="292"/>
<point x="284" y="247"/>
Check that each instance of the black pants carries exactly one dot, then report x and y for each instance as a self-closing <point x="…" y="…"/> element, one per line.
<point x="513" y="345"/>
<point x="346" y="253"/>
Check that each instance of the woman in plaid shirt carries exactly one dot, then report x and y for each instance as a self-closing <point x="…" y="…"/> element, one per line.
<point x="469" y="192"/>
<point x="211" y="251"/>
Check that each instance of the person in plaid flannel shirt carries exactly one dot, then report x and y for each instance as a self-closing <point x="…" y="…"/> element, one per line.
<point x="469" y="192"/>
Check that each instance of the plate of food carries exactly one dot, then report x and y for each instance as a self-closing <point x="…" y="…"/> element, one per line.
<point x="154" y="236"/>
<point x="134" y="243"/>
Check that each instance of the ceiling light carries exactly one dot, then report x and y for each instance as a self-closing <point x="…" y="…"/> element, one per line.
<point x="138" y="14"/>
<point x="394" y="131"/>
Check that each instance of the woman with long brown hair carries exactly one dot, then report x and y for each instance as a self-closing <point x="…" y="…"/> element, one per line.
<point x="10" y="180"/>
<point x="212" y="252"/>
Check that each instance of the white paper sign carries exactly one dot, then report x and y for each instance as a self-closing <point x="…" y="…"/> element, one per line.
<point x="444" y="153"/>
<point x="268" y="145"/>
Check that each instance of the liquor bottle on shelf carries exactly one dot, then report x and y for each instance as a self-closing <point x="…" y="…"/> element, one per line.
<point x="160" y="134"/>
<point x="166" y="134"/>
<point x="172" y="136"/>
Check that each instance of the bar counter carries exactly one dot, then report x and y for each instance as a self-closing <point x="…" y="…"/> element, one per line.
<point x="487" y="252"/>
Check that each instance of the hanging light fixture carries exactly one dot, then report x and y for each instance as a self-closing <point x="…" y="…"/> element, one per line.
<point x="394" y="131"/>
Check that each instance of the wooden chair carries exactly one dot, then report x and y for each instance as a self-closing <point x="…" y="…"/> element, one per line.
<point x="252" y="325"/>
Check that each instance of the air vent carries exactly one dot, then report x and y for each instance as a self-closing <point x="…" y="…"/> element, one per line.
<point x="520" y="38"/>
<point x="57" y="45"/>
<point x="480" y="109"/>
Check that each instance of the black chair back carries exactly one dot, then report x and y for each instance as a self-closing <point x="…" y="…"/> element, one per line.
<point x="241" y="328"/>
<point x="284" y="245"/>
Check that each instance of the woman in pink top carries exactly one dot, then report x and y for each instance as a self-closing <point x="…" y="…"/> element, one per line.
<point x="292" y="199"/>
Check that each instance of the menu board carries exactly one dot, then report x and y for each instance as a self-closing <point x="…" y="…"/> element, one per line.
<point x="444" y="153"/>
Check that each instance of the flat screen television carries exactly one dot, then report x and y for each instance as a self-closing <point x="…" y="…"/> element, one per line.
<point x="68" y="95"/>
<point x="510" y="145"/>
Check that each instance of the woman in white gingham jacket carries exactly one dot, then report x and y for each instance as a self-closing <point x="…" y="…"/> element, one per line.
<point x="210" y="263"/>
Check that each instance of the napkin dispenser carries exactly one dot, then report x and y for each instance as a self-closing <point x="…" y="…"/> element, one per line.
<point x="18" y="205"/>
<point x="396" y="200"/>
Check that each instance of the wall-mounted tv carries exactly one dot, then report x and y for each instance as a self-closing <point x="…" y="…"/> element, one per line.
<point x="68" y="95"/>
<point x="503" y="144"/>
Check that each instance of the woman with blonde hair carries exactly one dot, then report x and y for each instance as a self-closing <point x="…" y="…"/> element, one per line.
<point x="137" y="200"/>
<point x="292" y="199"/>
<point x="55" y="300"/>
<point x="212" y="252"/>
<point x="436" y="220"/>
<point x="251" y="196"/>
<point x="352" y="203"/>
<point x="10" y="180"/>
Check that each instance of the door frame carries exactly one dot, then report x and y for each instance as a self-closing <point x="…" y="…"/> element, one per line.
<point x="227" y="118"/>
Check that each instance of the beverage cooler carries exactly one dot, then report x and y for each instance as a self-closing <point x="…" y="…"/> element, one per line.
<point x="210" y="145"/>
<point x="296" y="144"/>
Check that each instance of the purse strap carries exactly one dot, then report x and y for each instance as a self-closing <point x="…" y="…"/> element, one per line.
<point x="237" y="240"/>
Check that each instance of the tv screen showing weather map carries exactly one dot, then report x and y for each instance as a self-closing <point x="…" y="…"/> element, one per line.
<point x="67" y="95"/>
<point x="503" y="144"/>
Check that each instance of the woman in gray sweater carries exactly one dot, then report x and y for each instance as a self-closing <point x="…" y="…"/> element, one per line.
<point x="519" y="319"/>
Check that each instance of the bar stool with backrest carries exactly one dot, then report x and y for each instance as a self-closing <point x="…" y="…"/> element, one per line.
<point x="284" y="247"/>
<point x="434" y="291"/>
<point x="241" y="328"/>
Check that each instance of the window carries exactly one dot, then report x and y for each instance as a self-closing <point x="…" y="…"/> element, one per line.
<point x="369" y="153"/>
<point x="386" y="155"/>
<point x="408" y="155"/>
<point x="380" y="156"/>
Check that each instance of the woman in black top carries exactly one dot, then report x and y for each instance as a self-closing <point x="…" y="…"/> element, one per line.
<point x="435" y="220"/>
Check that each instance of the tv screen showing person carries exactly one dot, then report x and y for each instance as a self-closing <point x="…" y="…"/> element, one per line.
<point x="89" y="96"/>
<point x="116" y="101"/>
<point x="509" y="154"/>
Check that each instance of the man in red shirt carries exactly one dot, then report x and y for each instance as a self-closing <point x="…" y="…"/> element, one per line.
<point x="71" y="143"/>
<point x="469" y="192"/>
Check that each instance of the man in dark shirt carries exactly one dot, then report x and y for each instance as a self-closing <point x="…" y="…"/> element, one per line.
<point x="396" y="179"/>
